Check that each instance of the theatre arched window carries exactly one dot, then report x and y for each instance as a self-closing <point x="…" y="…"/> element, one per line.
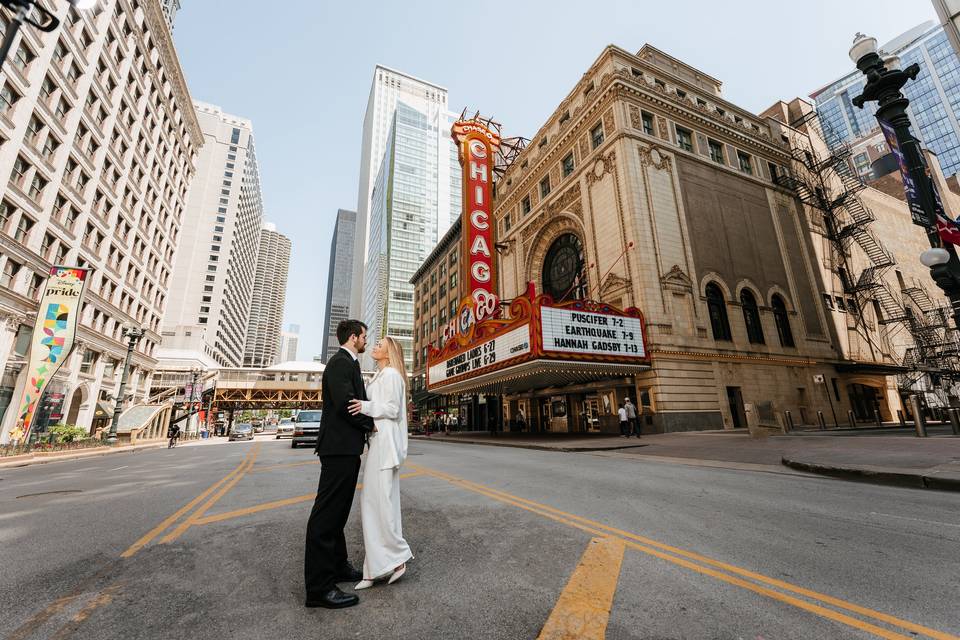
<point x="717" y="308"/>
<point x="782" y="320"/>
<point x="564" y="269"/>
<point x="751" y="317"/>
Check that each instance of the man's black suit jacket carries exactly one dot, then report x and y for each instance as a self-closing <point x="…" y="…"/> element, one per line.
<point x="342" y="434"/>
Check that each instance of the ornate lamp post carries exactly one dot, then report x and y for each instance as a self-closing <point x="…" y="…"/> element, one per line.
<point x="885" y="79"/>
<point x="21" y="14"/>
<point x="133" y="335"/>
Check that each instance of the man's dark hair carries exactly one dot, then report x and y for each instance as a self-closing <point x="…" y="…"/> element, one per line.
<point x="347" y="328"/>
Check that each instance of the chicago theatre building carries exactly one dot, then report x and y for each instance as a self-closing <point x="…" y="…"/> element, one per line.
<point x="643" y="248"/>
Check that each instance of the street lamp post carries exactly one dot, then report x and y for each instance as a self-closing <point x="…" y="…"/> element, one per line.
<point x="21" y="14"/>
<point x="133" y="335"/>
<point x="884" y="81"/>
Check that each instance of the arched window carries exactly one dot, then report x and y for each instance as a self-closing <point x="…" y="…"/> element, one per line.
<point x="783" y="321"/>
<point x="718" y="312"/>
<point x="564" y="274"/>
<point x="751" y="317"/>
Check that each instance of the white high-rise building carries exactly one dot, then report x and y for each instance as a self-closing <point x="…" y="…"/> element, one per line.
<point x="410" y="189"/>
<point x="269" y="296"/>
<point x="212" y="284"/>
<point x="289" y="341"/>
<point x="389" y="88"/>
<point x="99" y="146"/>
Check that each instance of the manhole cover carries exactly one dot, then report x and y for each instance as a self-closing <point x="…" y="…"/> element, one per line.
<point x="49" y="493"/>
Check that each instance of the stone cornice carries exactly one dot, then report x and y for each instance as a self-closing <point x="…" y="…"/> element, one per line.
<point x="163" y="40"/>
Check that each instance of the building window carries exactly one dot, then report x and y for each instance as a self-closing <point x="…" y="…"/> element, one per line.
<point x="774" y="171"/>
<point x="717" y="308"/>
<point x="8" y="98"/>
<point x="751" y="317"/>
<point x="716" y="151"/>
<point x="684" y="139"/>
<point x="525" y="205"/>
<point x="6" y="212"/>
<point x="36" y="281"/>
<point x="744" y="160"/>
<point x="23" y="229"/>
<point x="564" y="269"/>
<point x="596" y="135"/>
<point x="783" y="321"/>
<point x="507" y="225"/>
<point x="10" y="271"/>
<point x="568" y="165"/>
<point x="545" y="187"/>
<point x="647" y="119"/>
<point x="453" y="281"/>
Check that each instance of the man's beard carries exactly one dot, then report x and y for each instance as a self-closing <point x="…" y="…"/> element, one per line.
<point x="361" y="349"/>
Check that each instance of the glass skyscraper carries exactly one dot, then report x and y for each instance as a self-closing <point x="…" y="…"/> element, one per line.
<point x="934" y="101"/>
<point x="409" y="209"/>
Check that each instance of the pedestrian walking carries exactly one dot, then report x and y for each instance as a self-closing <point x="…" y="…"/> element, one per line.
<point x="624" y="424"/>
<point x="632" y="417"/>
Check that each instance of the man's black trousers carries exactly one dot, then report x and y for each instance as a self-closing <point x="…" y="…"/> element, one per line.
<point x="326" y="550"/>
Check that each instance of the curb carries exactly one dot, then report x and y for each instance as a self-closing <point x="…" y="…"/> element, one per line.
<point x="876" y="475"/>
<point x="536" y="447"/>
<point x="95" y="453"/>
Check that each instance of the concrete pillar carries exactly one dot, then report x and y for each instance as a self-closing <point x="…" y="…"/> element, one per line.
<point x="9" y="326"/>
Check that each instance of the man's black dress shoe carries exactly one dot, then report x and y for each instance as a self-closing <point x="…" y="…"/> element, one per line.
<point x="333" y="599"/>
<point x="349" y="574"/>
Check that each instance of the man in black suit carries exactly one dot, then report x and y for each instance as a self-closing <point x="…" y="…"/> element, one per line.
<point x="339" y="445"/>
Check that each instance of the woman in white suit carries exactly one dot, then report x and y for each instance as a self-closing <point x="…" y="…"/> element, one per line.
<point x="386" y="550"/>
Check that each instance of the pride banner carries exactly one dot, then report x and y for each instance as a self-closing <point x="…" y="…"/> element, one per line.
<point x="53" y="337"/>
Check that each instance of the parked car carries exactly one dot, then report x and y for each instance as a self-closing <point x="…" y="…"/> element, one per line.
<point x="306" y="428"/>
<point x="285" y="428"/>
<point x="241" y="431"/>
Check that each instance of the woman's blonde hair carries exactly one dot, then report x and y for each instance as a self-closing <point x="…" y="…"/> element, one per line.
<point x="395" y="357"/>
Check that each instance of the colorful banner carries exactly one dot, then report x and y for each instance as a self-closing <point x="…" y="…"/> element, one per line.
<point x="477" y="147"/>
<point x="949" y="230"/>
<point x="53" y="338"/>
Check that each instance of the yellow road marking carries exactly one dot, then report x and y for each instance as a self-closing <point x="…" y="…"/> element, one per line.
<point x="27" y="628"/>
<point x="103" y="598"/>
<point x="160" y="528"/>
<point x="583" y="609"/>
<point x="651" y="547"/>
<point x="196" y="515"/>
<point x="273" y="467"/>
<point x="307" y="497"/>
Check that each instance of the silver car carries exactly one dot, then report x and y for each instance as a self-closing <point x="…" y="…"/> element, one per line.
<point x="306" y="428"/>
<point x="285" y="428"/>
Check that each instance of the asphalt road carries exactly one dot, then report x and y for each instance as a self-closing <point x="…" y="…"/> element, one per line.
<point x="207" y="542"/>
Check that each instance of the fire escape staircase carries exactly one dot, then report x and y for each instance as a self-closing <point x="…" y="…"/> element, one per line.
<point x="936" y="345"/>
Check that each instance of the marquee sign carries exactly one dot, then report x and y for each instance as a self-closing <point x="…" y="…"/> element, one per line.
<point x="538" y="328"/>
<point x="53" y="338"/>
<point x="478" y="144"/>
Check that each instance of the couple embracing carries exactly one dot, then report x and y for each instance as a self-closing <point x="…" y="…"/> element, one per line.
<point x="352" y="416"/>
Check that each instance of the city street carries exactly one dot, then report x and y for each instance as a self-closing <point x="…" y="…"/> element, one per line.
<point x="207" y="542"/>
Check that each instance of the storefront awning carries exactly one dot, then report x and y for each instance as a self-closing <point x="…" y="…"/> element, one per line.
<point x="538" y="374"/>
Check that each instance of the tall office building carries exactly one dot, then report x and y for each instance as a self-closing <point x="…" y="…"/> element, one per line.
<point x="211" y="288"/>
<point x="269" y="296"/>
<point x="289" y="341"/>
<point x="389" y="89"/>
<point x="170" y="8"/>
<point x="934" y="101"/>
<point x="414" y="196"/>
<point x="340" y="280"/>
<point x="99" y="146"/>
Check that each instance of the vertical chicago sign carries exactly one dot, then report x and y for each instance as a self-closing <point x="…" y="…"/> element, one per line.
<point x="478" y="144"/>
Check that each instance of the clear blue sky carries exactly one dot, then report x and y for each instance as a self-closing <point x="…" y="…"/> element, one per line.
<point x="301" y="71"/>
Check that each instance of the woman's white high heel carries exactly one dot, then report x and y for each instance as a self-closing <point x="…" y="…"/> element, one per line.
<point x="397" y="574"/>
<point x="363" y="584"/>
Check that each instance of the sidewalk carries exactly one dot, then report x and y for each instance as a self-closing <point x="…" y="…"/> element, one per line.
<point x="890" y="458"/>
<point x="28" y="459"/>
